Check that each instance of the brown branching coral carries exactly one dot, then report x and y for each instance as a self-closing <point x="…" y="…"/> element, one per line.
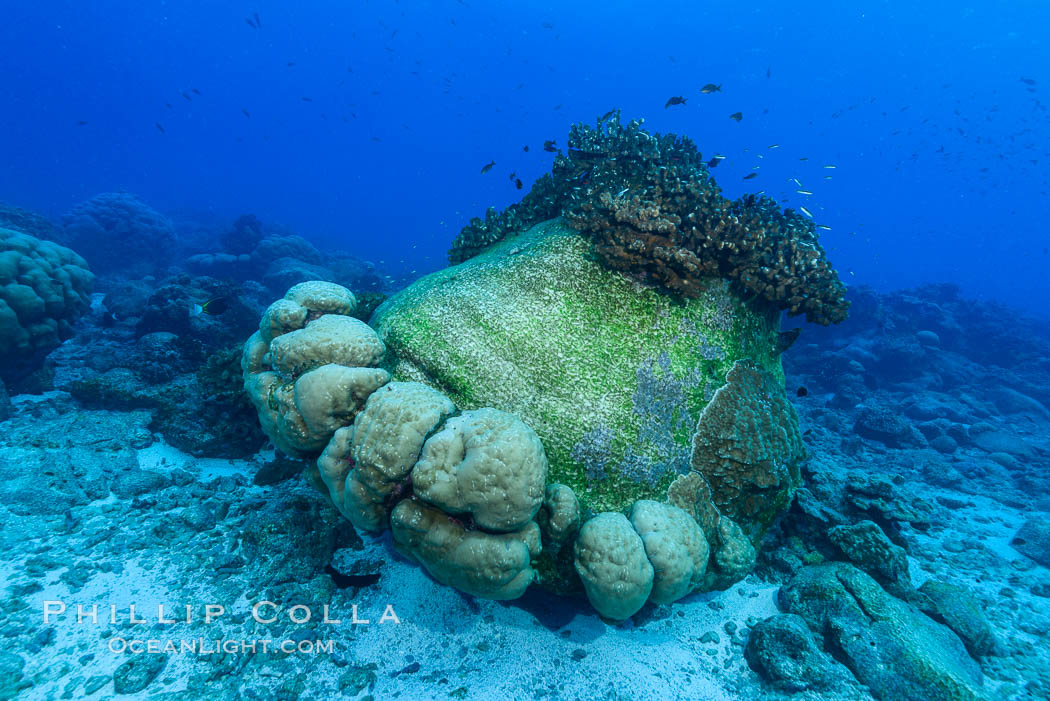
<point x="654" y="211"/>
<point x="544" y="201"/>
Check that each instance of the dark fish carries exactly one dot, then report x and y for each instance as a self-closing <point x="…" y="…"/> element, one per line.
<point x="736" y="116"/>
<point x="81" y="123"/>
<point x="344" y="581"/>
<point x="802" y="392"/>
<point x="750" y="175"/>
<point x="186" y="95"/>
<point x="1027" y="81"/>
<point x="769" y="72"/>
<point x="291" y="63"/>
<point x="786" y="339"/>
<point x="245" y="112"/>
<point x="525" y="148"/>
<point x="213" y="307"/>
<point x="607" y="115"/>
<point x="195" y="91"/>
<point x="710" y="88"/>
<point x="251" y="22"/>
<point x="488" y="166"/>
<point x="676" y="100"/>
<point x="517" y="183"/>
<point x="159" y="128"/>
<point x="307" y="99"/>
<point x="548" y="25"/>
<point x="549" y="146"/>
<point x="713" y="163"/>
<point x="258" y="22"/>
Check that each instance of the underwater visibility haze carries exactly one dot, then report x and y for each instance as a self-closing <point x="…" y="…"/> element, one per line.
<point x="477" y="350"/>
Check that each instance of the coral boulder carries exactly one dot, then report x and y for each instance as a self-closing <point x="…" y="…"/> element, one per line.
<point x="44" y="288"/>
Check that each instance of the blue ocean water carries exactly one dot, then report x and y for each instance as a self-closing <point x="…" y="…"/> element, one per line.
<point x="365" y="124"/>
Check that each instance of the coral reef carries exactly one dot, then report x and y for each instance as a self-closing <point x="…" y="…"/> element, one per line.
<point x="244" y="235"/>
<point x="44" y="289"/>
<point x="97" y="499"/>
<point x="544" y="201"/>
<point x="612" y="563"/>
<point x="167" y="308"/>
<point x="195" y="401"/>
<point x="120" y="235"/>
<point x="655" y="212"/>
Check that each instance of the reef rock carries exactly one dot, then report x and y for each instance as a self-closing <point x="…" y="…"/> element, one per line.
<point x="1033" y="540"/>
<point x="784" y="652"/>
<point x="867" y="547"/>
<point x="961" y="611"/>
<point x="893" y="649"/>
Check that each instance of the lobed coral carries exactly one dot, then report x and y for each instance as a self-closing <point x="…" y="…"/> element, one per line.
<point x="302" y="395"/>
<point x="460" y="492"/>
<point x="44" y="288"/>
<point x="654" y="211"/>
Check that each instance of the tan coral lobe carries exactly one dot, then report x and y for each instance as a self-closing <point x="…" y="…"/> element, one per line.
<point x="611" y="562"/>
<point x="674" y="545"/>
<point x="388" y="436"/>
<point x="487" y="565"/>
<point x="485" y="463"/>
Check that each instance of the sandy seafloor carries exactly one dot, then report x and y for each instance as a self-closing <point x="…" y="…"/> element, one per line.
<point x="446" y="645"/>
<point x="97" y="509"/>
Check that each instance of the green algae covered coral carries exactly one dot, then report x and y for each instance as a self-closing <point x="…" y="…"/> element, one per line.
<point x="611" y="374"/>
<point x="539" y="418"/>
<point x="639" y="397"/>
<point x="654" y="211"/>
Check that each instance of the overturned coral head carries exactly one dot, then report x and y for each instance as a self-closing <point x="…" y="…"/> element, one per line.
<point x="466" y="493"/>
